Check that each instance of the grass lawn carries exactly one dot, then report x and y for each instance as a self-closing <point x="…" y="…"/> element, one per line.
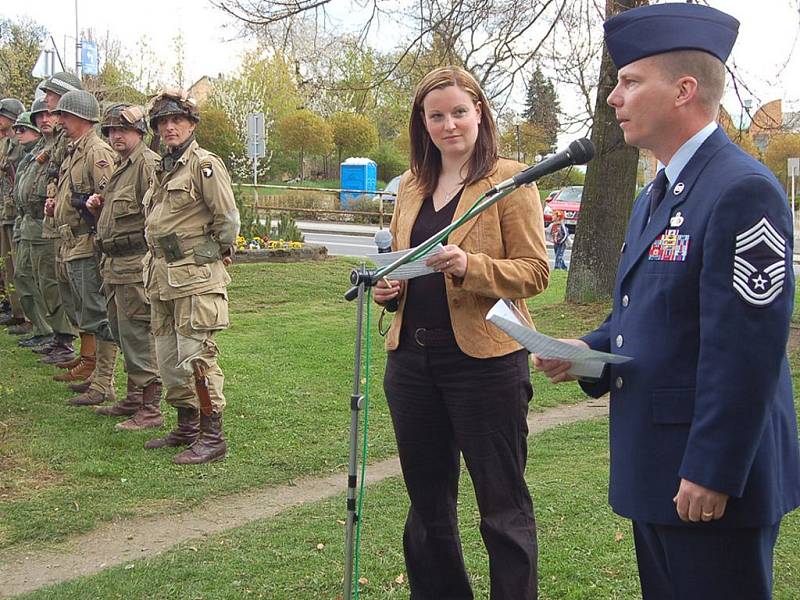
<point x="586" y="552"/>
<point x="288" y="366"/>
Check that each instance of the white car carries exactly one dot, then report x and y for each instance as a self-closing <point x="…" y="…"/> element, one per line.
<point x="389" y="193"/>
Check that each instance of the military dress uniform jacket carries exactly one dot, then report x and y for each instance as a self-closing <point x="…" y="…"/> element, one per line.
<point x="58" y="152"/>
<point x="191" y="221"/>
<point x="30" y="192"/>
<point x="702" y="302"/>
<point x="120" y="227"/>
<point x="86" y="170"/>
<point x="11" y="154"/>
<point x="507" y="258"/>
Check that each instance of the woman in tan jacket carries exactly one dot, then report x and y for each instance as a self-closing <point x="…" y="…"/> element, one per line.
<point x="454" y="383"/>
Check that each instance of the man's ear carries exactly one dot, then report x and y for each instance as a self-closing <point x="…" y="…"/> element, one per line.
<point x="686" y="90"/>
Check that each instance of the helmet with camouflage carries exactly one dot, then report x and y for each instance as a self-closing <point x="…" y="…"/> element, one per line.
<point x="123" y="115"/>
<point x="81" y="104"/>
<point x="24" y="120"/>
<point x="61" y="83"/>
<point x="172" y="102"/>
<point x="10" y="108"/>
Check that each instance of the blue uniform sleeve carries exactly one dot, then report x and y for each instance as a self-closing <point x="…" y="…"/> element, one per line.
<point x="598" y="340"/>
<point x="745" y="298"/>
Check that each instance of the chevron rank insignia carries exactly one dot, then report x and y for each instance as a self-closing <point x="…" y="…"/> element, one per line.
<point x="759" y="264"/>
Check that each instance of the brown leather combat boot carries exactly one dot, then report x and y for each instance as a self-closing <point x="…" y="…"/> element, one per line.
<point x="183" y="435"/>
<point x="80" y="387"/>
<point x="66" y="363"/>
<point x="149" y="414"/>
<point x="125" y="407"/>
<point x="86" y="362"/>
<point x="209" y="447"/>
<point x="91" y="397"/>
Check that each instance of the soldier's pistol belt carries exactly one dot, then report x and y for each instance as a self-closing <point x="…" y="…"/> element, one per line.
<point x="124" y="245"/>
<point x="173" y="248"/>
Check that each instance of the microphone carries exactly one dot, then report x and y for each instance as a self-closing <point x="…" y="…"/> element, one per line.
<point x="383" y="240"/>
<point x="578" y="152"/>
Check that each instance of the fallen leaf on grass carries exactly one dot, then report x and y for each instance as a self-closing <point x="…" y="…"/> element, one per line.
<point x="320" y="546"/>
<point x="400" y="579"/>
<point x="363" y="580"/>
<point x="618" y="536"/>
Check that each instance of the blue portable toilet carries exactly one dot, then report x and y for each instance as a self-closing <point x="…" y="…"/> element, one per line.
<point x="357" y="174"/>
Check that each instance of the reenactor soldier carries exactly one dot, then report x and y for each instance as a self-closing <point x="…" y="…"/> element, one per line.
<point x="86" y="171"/>
<point x="32" y="195"/>
<point x="191" y="226"/>
<point x="10" y="155"/>
<point x="120" y="238"/>
<point x="54" y="88"/>
<point x="28" y="231"/>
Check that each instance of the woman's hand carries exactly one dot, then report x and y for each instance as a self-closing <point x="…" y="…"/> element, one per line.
<point x="451" y="260"/>
<point x="386" y="290"/>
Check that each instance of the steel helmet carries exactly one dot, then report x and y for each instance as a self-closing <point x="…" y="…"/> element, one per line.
<point x="123" y="115"/>
<point x="61" y="83"/>
<point x="24" y="120"/>
<point x="81" y="104"/>
<point x="10" y="108"/>
<point x="172" y="101"/>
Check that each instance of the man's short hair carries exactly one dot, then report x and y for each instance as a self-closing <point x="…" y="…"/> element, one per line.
<point x="708" y="70"/>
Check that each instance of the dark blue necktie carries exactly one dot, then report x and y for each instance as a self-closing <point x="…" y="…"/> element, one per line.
<point x="658" y="190"/>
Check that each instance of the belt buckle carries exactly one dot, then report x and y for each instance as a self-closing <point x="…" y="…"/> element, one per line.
<point x="416" y="336"/>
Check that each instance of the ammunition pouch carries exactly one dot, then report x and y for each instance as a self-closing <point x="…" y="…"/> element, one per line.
<point x="206" y="252"/>
<point x="78" y="202"/>
<point x="124" y="245"/>
<point x="170" y="246"/>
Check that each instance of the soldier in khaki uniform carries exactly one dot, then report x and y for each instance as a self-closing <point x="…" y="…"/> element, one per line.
<point x="27" y="231"/>
<point x="120" y="237"/>
<point x="191" y="226"/>
<point x="86" y="171"/>
<point x="54" y="88"/>
<point x="10" y="155"/>
<point x="34" y="227"/>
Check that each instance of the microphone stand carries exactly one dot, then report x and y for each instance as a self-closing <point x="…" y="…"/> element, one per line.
<point x="361" y="279"/>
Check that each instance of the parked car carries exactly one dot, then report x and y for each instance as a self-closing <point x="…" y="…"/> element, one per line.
<point x="389" y="193"/>
<point x="567" y="200"/>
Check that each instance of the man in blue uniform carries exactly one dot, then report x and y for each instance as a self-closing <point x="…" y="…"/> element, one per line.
<point x="703" y="430"/>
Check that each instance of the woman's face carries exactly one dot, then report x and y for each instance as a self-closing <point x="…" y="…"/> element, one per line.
<point x="452" y="119"/>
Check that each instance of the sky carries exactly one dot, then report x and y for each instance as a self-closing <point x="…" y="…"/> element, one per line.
<point x="769" y="35"/>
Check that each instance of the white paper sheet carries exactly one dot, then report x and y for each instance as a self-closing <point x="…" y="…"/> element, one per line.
<point x="410" y="270"/>
<point x="585" y="363"/>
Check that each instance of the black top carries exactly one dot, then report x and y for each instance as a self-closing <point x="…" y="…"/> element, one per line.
<point x="426" y="297"/>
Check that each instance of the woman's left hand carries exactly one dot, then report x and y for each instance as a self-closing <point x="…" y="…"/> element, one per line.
<point x="451" y="260"/>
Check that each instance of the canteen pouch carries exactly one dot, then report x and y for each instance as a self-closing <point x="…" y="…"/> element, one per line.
<point x="206" y="252"/>
<point x="171" y="247"/>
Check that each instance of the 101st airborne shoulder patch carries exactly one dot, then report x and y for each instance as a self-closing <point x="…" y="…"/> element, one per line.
<point x="207" y="170"/>
<point x="759" y="264"/>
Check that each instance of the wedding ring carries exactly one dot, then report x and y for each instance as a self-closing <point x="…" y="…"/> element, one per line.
<point x="708" y="514"/>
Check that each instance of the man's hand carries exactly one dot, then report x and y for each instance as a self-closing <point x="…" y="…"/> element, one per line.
<point x="94" y="204"/>
<point x="555" y="369"/>
<point x="50" y="207"/>
<point x="697" y="503"/>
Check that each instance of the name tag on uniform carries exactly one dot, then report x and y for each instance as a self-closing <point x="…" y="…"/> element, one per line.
<point x="669" y="246"/>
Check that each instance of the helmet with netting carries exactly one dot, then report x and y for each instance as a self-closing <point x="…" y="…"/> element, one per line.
<point x="10" y="108"/>
<point x="124" y="115"/>
<point x="61" y="83"/>
<point x="81" y="104"/>
<point x="172" y="102"/>
<point x="24" y="120"/>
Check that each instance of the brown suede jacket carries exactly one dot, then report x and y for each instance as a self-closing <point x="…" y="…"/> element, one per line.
<point x="506" y="258"/>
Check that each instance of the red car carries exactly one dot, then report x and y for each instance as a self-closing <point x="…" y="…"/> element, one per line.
<point x="568" y="201"/>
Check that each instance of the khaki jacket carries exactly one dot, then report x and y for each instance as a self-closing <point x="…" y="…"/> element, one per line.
<point x="86" y="170"/>
<point x="506" y="258"/>
<point x="30" y="191"/>
<point x="120" y="227"/>
<point x="11" y="154"/>
<point x="194" y="202"/>
<point x="58" y="152"/>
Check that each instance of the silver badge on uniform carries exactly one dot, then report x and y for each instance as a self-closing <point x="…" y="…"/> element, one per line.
<point x="678" y="188"/>
<point x="677" y="220"/>
<point x="759" y="264"/>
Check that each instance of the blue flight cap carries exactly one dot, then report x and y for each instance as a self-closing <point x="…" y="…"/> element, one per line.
<point x="658" y="28"/>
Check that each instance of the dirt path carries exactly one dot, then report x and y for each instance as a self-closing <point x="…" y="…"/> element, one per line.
<point x="125" y="541"/>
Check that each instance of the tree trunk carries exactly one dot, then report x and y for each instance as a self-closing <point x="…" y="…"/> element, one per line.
<point x="608" y="192"/>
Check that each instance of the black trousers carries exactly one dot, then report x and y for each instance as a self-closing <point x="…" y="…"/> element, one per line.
<point x="444" y="403"/>
<point x="704" y="563"/>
